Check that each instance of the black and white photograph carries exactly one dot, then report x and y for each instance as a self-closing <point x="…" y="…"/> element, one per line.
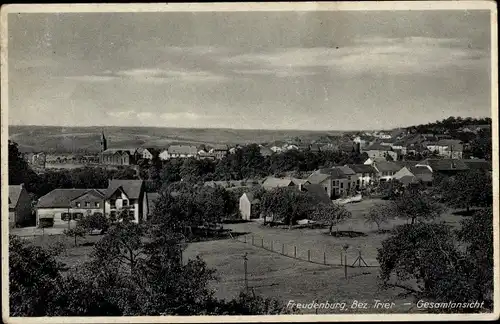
<point x="212" y="162"/>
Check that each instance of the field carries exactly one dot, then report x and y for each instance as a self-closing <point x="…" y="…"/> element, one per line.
<point x="87" y="139"/>
<point x="272" y="274"/>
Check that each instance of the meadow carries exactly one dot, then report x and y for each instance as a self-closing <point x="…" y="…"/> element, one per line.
<point x="273" y="271"/>
<point x="87" y="139"/>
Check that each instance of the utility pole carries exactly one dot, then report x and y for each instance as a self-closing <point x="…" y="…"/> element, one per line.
<point x="245" y="261"/>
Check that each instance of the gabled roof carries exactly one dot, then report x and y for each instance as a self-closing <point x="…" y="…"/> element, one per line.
<point x="445" y="164"/>
<point x="377" y="147"/>
<point x="272" y="182"/>
<point x="407" y="164"/>
<point x="60" y="198"/>
<point x="335" y="173"/>
<point x="406" y="180"/>
<point x="317" y="178"/>
<point x="265" y="150"/>
<point x="387" y="166"/>
<point x="220" y="147"/>
<point x="182" y="149"/>
<point x="132" y="188"/>
<point x="119" y="151"/>
<point x="96" y="192"/>
<point x="14" y="194"/>
<point x="347" y="170"/>
<point x="251" y="197"/>
<point x="318" y="193"/>
<point x="362" y="168"/>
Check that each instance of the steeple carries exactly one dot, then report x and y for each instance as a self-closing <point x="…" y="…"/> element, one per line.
<point x="104" y="143"/>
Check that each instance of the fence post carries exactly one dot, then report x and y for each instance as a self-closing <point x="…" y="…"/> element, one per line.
<point x="324" y="257"/>
<point x="283" y="248"/>
<point x="272" y="246"/>
<point x="262" y="242"/>
<point x="308" y="255"/>
<point x="345" y="265"/>
<point x="245" y="238"/>
<point x="253" y="240"/>
<point x="294" y="251"/>
<point x="341" y="258"/>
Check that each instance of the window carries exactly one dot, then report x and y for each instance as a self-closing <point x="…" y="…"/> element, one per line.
<point x="87" y="204"/>
<point x="124" y="202"/>
<point x="96" y="204"/>
<point x="112" y="203"/>
<point x="78" y="204"/>
<point x="326" y="189"/>
<point x="341" y="185"/>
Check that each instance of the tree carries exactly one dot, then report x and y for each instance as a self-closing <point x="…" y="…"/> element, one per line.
<point x="330" y="214"/>
<point x="33" y="277"/>
<point x="95" y="221"/>
<point x="379" y="214"/>
<point x="467" y="189"/>
<point x="423" y="260"/>
<point x="416" y="204"/>
<point x="75" y="232"/>
<point x="286" y="205"/>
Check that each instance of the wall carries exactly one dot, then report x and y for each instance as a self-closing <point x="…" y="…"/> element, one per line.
<point x="23" y="209"/>
<point x="54" y="213"/>
<point x="245" y="207"/>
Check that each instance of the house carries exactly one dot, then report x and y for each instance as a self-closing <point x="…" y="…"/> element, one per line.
<point x="264" y="151"/>
<point x="332" y="180"/>
<point x="412" y="175"/>
<point x="423" y="174"/>
<point x="119" y="156"/>
<point x="151" y="199"/>
<point x="248" y="206"/>
<point x="315" y="148"/>
<point x="147" y="153"/>
<point x="219" y="151"/>
<point x="444" y="166"/>
<point x="124" y="195"/>
<point x="365" y="174"/>
<point x="377" y="150"/>
<point x="352" y="177"/>
<point x="474" y="128"/>
<point x="272" y="182"/>
<point x="399" y="145"/>
<point x="450" y="148"/>
<point x="386" y="170"/>
<point x="89" y="202"/>
<point x="20" y="211"/>
<point x="317" y="192"/>
<point x="57" y="205"/>
<point x="179" y="152"/>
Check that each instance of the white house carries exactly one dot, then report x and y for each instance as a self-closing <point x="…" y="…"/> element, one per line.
<point x="124" y="195"/>
<point x="179" y="151"/>
<point x="248" y="205"/>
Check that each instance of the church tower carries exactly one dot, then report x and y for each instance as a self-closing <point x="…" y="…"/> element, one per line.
<point x="104" y="143"/>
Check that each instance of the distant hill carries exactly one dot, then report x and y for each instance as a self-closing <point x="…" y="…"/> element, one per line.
<point x="87" y="139"/>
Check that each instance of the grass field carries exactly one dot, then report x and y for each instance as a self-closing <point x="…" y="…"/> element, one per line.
<point x="272" y="274"/>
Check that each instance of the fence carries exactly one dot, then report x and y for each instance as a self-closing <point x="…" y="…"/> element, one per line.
<point x="340" y="257"/>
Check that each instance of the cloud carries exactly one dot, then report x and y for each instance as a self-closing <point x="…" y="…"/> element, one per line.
<point x="280" y="73"/>
<point x="122" y="114"/>
<point x="181" y="116"/>
<point x="91" y="78"/>
<point x="387" y="55"/>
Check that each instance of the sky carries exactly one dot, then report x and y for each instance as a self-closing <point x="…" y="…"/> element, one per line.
<point x="249" y="70"/>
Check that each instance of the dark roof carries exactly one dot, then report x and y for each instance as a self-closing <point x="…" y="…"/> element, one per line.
<point x="317" y="178"/>
<point x="478" y="164"/>
<point x="445" y="164"/>
<point x="335" y="173"/>
<point x="97" y="192"/>
<point x="60" y="198"/>
<point x="387" y="166"/>
<point x="406" y="163"/>
<point x="422" y="173"/>
<point x="132" y="188"/>
<point x="119" y="151"/>
<point x="347" y="170"/>
<point x="14" y="194"/>
<point x="362" y="168"/>
<point x="318" y="192"/>
<point x="377" y="147"/>
<point x="272" y="182"/>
